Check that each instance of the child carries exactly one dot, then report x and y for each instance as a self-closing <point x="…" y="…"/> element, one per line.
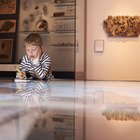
<point x="36" y="64"/>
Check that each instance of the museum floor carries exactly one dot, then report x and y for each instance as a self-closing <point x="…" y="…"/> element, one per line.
<point x="69" y="110"/>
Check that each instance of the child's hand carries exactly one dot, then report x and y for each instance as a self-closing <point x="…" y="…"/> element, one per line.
<point x="21" y="75"/>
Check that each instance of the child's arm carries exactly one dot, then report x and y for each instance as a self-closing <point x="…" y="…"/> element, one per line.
<point x="43" y="69"/>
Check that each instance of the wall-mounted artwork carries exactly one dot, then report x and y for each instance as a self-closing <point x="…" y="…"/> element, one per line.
<point x="6" y="49"/>
<point x="7" y="6"/>
<point x="7" y="26"/>
<point x="98" y="46"/>
<point x="127" y="26"/>
<point x="9" y="13"/>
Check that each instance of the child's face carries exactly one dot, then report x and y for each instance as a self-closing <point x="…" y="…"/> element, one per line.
<point x="33" y="51"/>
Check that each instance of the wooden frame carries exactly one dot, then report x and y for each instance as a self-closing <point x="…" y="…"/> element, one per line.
<point x="9" y="14"/>
<point x="8" y="7"/>
<point x="6" y="50"/>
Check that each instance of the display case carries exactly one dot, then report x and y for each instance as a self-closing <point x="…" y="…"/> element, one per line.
<point x="55" y="20"/>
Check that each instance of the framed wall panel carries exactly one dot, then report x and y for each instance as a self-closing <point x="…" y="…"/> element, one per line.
<point x="99" y="46"/>
<point x="6" y="50"/>
<point x="8" y="26"/>
<point x="9" y="14"/>
<point x="7" y="7"/>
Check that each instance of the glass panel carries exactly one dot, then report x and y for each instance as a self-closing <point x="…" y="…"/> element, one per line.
<point x="55" y="21"/>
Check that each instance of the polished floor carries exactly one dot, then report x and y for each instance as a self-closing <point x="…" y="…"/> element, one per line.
<point x="69" y="110"/>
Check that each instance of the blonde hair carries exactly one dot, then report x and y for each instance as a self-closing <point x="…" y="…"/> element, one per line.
<point x="33" y="39"/>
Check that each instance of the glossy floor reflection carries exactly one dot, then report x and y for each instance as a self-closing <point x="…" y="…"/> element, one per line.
<point x="69" y="110"/>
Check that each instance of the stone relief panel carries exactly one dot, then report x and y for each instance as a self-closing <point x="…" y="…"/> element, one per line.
<point x="127" y="26"/>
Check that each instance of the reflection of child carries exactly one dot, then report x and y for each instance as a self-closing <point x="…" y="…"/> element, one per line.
<point x="35" y="96"/>
<point x="36" y="63"/>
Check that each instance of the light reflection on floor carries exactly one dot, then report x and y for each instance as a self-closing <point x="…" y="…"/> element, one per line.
<point x="69" y="110"/>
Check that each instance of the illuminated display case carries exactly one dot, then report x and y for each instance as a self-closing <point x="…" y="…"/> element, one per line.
<point x="55" y="20"/>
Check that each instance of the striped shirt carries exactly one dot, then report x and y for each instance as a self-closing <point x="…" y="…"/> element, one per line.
<point x="41" y="70"/>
